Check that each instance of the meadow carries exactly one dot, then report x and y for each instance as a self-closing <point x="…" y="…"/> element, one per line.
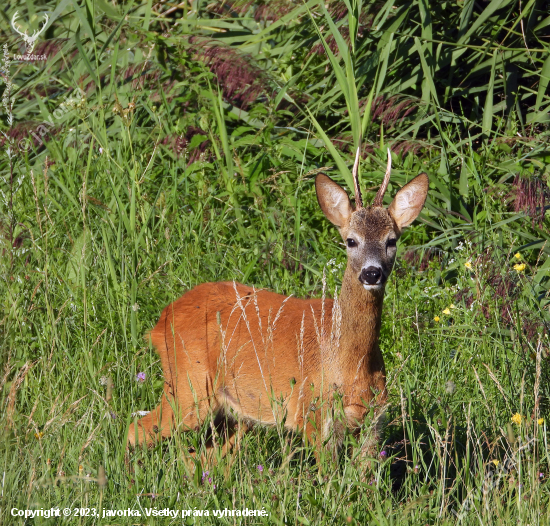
<point x="152" y="147"/>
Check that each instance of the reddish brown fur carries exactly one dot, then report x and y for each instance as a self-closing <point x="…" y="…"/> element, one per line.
<point x="264" y="357"/>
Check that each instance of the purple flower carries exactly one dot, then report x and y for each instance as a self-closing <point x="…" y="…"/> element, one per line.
<point x="260" y="468"/>
<point x="204" y="475"/>
<point x="541" y="475"/>
<point x="383" y="454"/>
<point x="140" y="377"/>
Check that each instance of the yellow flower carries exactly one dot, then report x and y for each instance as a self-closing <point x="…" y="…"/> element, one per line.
<point x="540" y="421"/>
<point x="517" y="255"/>
<point x="519" y="267"/>
<point x="447" y="312"/>
<point x="516" y="419"/>
<point x="436" y="318"/>
<point x="39" y="435"/>
<point x="451" y="306"/>
<point x="80" y="469"/>
<point x="468" y="264"/>
<point x="495" y="462"/>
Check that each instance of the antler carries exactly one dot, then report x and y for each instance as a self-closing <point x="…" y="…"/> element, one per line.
<point x="13" y="19"/>
<point x="378" y="200"/>
<point x="358" y="198"/>
<point x="38" y="31"/>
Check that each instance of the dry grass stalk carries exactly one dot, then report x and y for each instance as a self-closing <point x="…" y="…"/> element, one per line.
<point x="16" y="384"/>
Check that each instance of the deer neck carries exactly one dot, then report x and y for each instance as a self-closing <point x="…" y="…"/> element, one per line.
<point x="354" y="352"/>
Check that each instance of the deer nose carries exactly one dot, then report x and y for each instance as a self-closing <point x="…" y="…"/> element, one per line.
<point x="370" y="275"/>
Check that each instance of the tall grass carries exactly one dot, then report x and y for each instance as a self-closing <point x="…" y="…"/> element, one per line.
<point x="190" y="158"/>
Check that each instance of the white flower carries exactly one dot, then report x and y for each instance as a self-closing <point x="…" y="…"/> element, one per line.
<point x="140" y="413"/>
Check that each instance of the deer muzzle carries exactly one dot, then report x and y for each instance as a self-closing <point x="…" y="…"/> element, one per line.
<point x="371" y="276"/>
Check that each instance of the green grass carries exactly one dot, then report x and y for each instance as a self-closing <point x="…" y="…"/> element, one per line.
<point x="107" y="223"/>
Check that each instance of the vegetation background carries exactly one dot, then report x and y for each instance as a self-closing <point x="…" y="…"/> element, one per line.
<point x="153" y="146"/>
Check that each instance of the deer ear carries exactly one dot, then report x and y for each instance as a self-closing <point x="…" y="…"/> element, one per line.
<point x="409" y="201"/>
<point x="333" y="200"/>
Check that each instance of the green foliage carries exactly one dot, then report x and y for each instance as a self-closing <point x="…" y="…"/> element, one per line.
<point x="157" y="148"/>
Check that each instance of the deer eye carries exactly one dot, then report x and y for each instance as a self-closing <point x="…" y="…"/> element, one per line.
<point x="391" y="242"/>
<point x="351" y="242"/>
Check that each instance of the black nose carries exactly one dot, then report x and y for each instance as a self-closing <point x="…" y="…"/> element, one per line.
<point x="370" y="276"/>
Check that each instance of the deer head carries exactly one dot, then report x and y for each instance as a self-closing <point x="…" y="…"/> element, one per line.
<point x="29" y="40"/>
<point x="371" y="233"/>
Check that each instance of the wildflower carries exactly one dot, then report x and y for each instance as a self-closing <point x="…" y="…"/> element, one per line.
<point x="204" y="475"/>
<point x="517" y="255"/>
<point x="540" y="421"/>
<point x="80" y="469"/>
<point x="447" y="311"/>
<point x="468" y="264"/>
<point x="450" y="387"/>
<point x="516" y="419"/>
<point x="495" y="462"/>
<point x="541" y="475"/>
<point x="383" y="454"/>
<point x="260" y="468"/>
<point x="140" y="377"/>
<point x="140" y="413"/>
<point x="451" y="306"/>
<point x="519" y="267"/>
<point x="436" y="319"/>
<point x="416" y="468"/>
<point x="38" y="435"/>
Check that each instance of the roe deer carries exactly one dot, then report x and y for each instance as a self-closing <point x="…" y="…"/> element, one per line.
<point x="227" y="348"/>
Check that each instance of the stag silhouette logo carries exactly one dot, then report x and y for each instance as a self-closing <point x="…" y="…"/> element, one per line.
<point x="29" y="40"/>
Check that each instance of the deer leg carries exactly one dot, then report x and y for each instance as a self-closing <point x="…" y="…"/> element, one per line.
<point x="231" y="433"/>
<point x="160" y="422"/>
<point x="233" y="438"/>
<point x="153" y="426"/>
